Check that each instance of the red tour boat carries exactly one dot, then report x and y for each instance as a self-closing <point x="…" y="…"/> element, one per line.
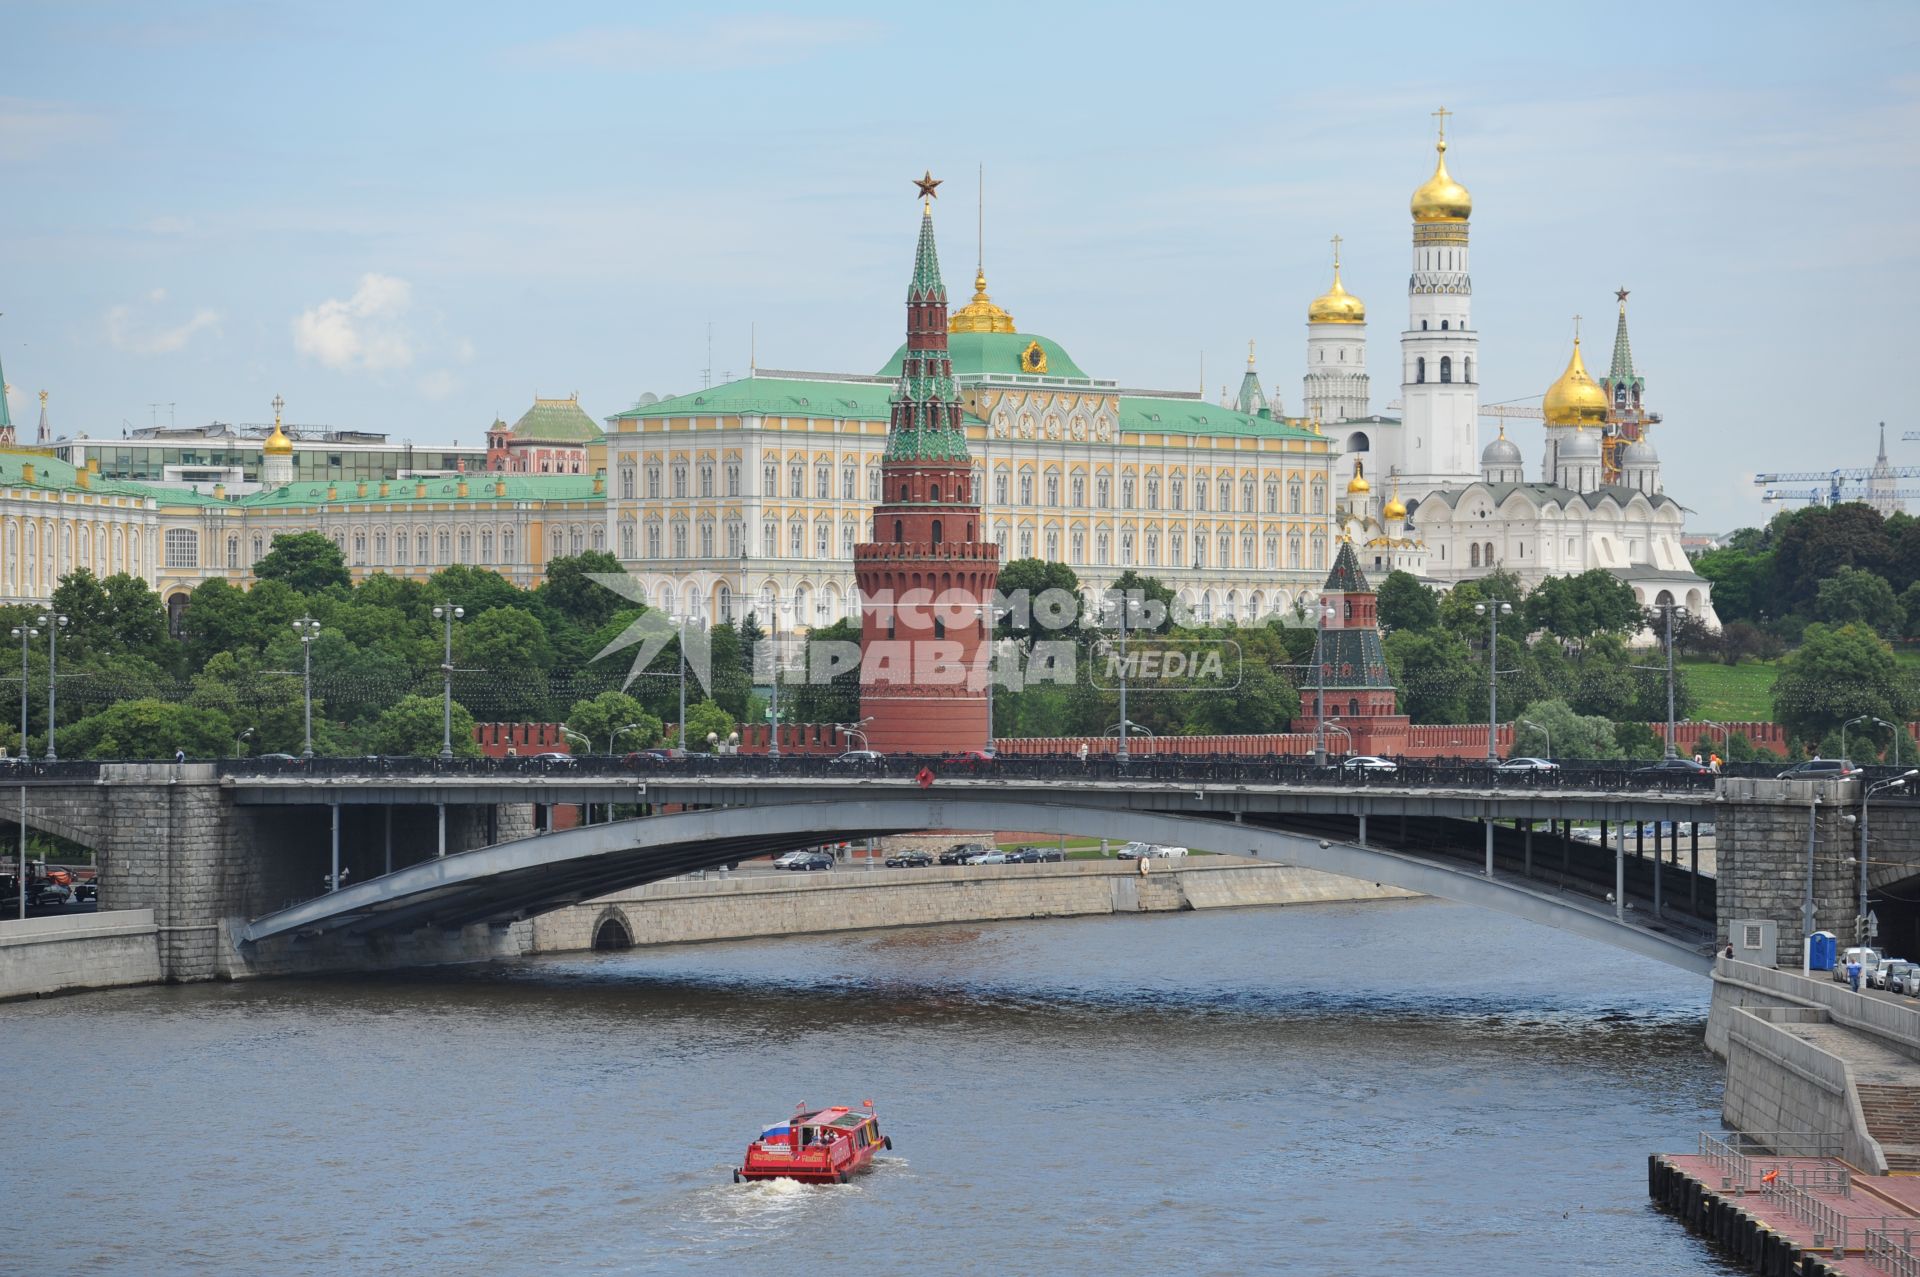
<point x="826" y="1146"/>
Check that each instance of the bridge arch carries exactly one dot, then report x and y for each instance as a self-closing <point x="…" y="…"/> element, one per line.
<point x="49" y="817"/>
<point x="612" y="930"/>
<point x="516" y="880"/>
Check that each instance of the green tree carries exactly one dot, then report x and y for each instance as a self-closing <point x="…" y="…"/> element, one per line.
<point x="1406" y="604"/>
<point x="836" y="700"/>
<point x="1034" y="577"/>
<point x="1742" y="582"/>
<point x="1837" y="673"/>
<point x="477" y="590"/>
<point x="730" y="688"/>
<point x="599" y="718"/>
<point x="414" y="726"/>
<point x="570" y="590"/>
<point x="1578" y="607"/>
<point x="1637" y="740"/>
<point x="1815" y="543"/>
<point x="150" y="728"/>
<point x="1153" y="601"/>
<point x="1855" y="596"/>
<point x="1910" y="609"/>
<point x="1436" y="675"/>
<point x="703" y="719"/>
<point x="503" y="656"/>
<point x="307" y="561"/>
<point x="1552" y="725"/>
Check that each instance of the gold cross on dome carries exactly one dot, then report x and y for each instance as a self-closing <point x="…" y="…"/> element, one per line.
<point x="1441" y="115"/>
<point x="1576" y="329"/>
<point x="1336" y="252"/>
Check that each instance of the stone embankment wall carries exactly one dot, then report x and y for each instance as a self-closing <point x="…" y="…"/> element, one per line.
<point x="855" y="899"/>
<point x="78" y="951"/>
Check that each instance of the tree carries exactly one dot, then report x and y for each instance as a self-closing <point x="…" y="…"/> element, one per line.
<point x="570" y="590"/>
<point x="1742" y="582"/>
<point x="414" y="726"/>
<point x="1435" y="673"/>
<point x="150" y="728"/>
<point x="1836" y="674"/>
<point x="1814" y="544"/>
<point x="475" y="589"/>
<point x="307" y="561"/>
<point x="1637" y="740"/>
<point x="1406" y="604"/>
<point x="1854" y="596"/>
<point x="730" y="688"/>
<point x="1566" y="734"/>
<point x="600" y="718"/>
<point x="1578" y="607"/>
<point x="1910" y="609"/>
<point x="706" y="719"/>
<point x="1030" y="619"/>
<point x="836" y="700"/>
<point x="1743" y="640"/>
<point x="1153" y="603"/>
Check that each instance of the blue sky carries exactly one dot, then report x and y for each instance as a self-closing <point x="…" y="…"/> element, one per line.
<point x="411" y="218"/>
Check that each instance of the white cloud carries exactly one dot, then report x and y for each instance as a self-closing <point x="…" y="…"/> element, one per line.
<point x="30" y="129"/>
<point x="720" y="44"/>
<point x="438" y="384"/>
<point x="365" y="332"/>
<point x="143" y="334"/>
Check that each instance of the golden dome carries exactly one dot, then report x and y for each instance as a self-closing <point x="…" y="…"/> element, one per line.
<point x="980" y="315"/>
<point x="1575" y="400"/>
<point x="277" y="444"/>
<point x="1395" y="508"/>
<point x="1441" y="199"/>
<point x="1337" y="305"/>
<point x="1359" y="484"/>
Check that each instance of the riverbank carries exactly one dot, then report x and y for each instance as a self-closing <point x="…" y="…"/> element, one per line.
<point x="743" y="907"/>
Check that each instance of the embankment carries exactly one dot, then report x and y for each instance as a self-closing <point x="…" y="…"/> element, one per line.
<point x="78" y="951"/>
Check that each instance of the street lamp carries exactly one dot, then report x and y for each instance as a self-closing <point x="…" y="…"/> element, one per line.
<point x="448" y="613"/>
<point x="1858" y="718"/>
<point x="1898" y="782"/>
<point x="1898" y="732"/>
<point x="26" y="634"/>
<point x="680" y="644"/>
<point x="616" y="735"/>
<point x="54" y="625"/>
<point x="1493" y="614"/>
<point x="308" y="629"/>
<point x="1669" y="609"/>
<point x="774" y="608"/>
<point x="1527" y="722"/>
<point x="1322" y="613"/>
<point x="1806" y="905"/>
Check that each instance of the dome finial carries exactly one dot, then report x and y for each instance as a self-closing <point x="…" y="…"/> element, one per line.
<point x="1336" y="305"/>
<point x="1395" y="508"/>
<point x="1249" y="352"/>
<point x="1575" y="400"/>
<point x="1441" y="199"/>
<point x="1359" y="486"/>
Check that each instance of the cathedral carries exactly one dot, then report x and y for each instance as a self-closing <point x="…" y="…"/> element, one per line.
<point x="1423" y="497"/>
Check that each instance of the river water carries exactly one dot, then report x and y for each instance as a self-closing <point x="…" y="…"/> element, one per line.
<point x="1409" y="1087"/>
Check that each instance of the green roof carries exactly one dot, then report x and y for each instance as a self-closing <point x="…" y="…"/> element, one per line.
<point x="480" y="487"/>
<point x="52" y="473"/>
<point x="778" y="397"/>
<point x="1141" y="414"/>
<point x="926" y="285"/>
<point x="556" y="421"/>
<point x="994" y="355"/>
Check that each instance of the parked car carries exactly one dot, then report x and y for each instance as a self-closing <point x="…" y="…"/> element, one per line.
<point x="972" y="758"/>
<point x="812" y="860"/>
<point x="858" y="758"/>
<point x="647" y="757"/>
<point x="44" y="892"/>
<point x="1670" y="769"/>
<point x="1535" y="765"/>
<point x="1819" y="769"/>
<point x="961" y="852"/>
<point x="87" y="889"/>
<point x="1866" y="957"/>
<point x="1036" y="856"/>
<point x="1876" y="975"/>
<point x="1903" y="977"/>
<point x="1135" y="851"/>
<point x="909" y="860"/>
<point x="791" y="859"/>
<point x="552" y="756"/>
<point x="992" y="857"/>
<point x="1360" y="764"/>
<point x="275" y="758"/>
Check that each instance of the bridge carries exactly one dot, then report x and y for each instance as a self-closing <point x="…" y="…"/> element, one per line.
<point x="441" y="860"/>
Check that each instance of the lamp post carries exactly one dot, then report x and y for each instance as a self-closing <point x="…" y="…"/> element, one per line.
<point x="615" y="735"/>
<point x="26" y="634"/>
<point x="1898" y="732"/>
<point x="54" y="624"/>
<point x="1669" y="609"/>
<point x="1322" y="613"/>
<point x="1527" y="722"/>
<point x="1858" y="718"/>
<point x="1493" y="613"/>
<point x="448" y="613"/>
<point x="1898" y="782"/>
<point x="680" y="644"/>
<point x="308" y="629"/>
<point x="1806" y="905"/>
<point x="773" y="737"/>
<point x="990" y="614"/>
<point x="1126" y="727"/>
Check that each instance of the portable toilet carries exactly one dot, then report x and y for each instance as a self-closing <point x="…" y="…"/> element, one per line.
<point x="1825" y="950"/>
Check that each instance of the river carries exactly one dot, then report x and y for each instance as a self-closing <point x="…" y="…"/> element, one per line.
<point x="1411" y="1087"/>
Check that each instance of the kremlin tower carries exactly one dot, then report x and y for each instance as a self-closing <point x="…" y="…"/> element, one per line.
<point x="927" y="573"/>
<point x="1439" y="352"/>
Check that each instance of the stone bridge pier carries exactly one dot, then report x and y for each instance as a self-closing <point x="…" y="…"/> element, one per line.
<point x="168" y="837"/>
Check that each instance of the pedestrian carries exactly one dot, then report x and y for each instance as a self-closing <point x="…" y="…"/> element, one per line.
<point x="179" y="755"/>
<point x="1713" y="763"/>
<point x="1083" y="753"/>
<point x="1853" y="973"/>
<point x="1729" y="949"/>
<point x="1697" y="760"/>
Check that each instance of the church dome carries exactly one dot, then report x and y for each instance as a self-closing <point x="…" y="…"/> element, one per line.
<point x="1503" y="453"/>
<point x="1395" y="508"/>
<point x="1337" y="305"/>
<point x="1440" y="198"/>
<point x="1583" y="446"/>
<point x="1639" y="454"/>
<point x="1575" y="400"/>
<point x="1359" y="485"/>
<point x="277" y="444"/>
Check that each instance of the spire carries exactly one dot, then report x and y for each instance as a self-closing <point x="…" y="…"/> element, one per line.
<point x="926" y="286"/>
<point x="1622" y="370"/>
<point x="43" y="435"/>
<point x="925" y="420"/>
<point x="1251" y="399"/>
<point x="6" y="418"/>
<point x="1881" y="460"/>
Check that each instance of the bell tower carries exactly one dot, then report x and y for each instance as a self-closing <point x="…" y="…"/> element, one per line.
<point x="927" y="573"/>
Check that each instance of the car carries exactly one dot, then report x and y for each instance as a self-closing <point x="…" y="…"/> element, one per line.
<point x="1361" y="764"/>
<point x="89" y="889"/>
<point x="909" y="860"/>
<point x="1671" y="769"/>
<point x="1035" y="856"/>
<point x="44" y="892"/>
<point x="1865" y="956"/>
<point x="959" y="853"/>
<point x="275" y="758"/>
<point x="858" y="758"/>
<point x="551" y="756"/>
<point x="791" y="859"/>
<point x="1875" y="977"/>
<point x="647" y="757"/>
<point x="1903" y="978"/>
<point x="1819" y="769"/>
<point x="1135" y="851"/>
<point x="812" y="860"/>
<point x="990" y="857"/>
<point x="1530" y="765"/>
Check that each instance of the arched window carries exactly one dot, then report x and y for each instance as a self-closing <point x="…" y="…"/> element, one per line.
<point x="1466" y="369"/>
<point x="847" y="482"/>
<point x="1420" y="367"/>
<point x="1358" y="442"/>
<point x="733" y="478"/>
<point x="680" y="480"/>
<point x="653" y="483"/>
<point x="1443" y="325"/>
<point x="1446" y="368"/>
<point x="1475" y="555"/>
<point x="1273" y="497"/>
<point x="822" y="482"/>
<point x="706" y="478"/>
<point x="626" y="482"/>
<point x="934" y="492"/>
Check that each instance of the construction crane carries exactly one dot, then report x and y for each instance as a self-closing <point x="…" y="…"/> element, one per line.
<point x="1833" y="495"/>
<point x="1836" y="481"/>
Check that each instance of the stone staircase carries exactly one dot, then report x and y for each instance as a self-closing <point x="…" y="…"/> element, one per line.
<point x="1893" y="1118"/>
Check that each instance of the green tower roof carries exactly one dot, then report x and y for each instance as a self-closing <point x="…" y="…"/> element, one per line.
<point x="926" y="284"/>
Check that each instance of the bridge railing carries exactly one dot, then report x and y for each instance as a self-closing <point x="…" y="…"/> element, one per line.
<point x="1606" y="776"/>
<point x="79" y="770"/>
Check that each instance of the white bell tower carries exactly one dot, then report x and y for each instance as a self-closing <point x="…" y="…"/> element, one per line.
<point x="1439" y="352"/>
